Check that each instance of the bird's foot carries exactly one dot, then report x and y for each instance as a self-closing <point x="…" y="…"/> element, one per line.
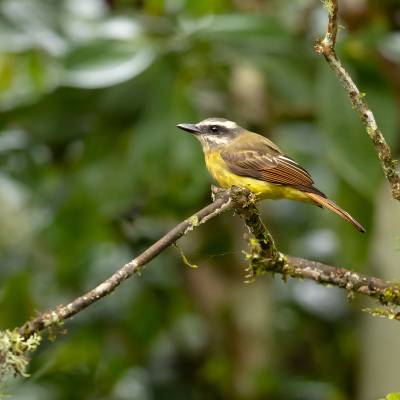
<point x="216" y="192"/>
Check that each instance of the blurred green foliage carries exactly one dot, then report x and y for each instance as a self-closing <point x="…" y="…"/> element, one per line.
<point x="94" y="170"/>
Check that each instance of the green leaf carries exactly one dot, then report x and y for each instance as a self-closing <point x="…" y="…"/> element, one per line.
<point x="25" y="77"/>
<point x="105" y="63"/>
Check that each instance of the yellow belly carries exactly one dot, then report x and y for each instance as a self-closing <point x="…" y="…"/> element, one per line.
<point x="263" y="190"/>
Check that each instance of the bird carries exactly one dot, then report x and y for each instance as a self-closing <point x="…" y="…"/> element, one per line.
<point x="235" y="156"/>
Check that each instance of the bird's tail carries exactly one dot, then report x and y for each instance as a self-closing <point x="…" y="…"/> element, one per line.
<point x="330" y="205"/>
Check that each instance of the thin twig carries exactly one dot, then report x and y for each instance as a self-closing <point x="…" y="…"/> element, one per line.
<point x="326" y="47"/>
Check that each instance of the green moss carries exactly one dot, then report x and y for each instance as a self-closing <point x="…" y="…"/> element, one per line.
<point x="328" y="5"/>
<point x="53" y="323"/>
<point x="14" y="351"/>
<point x="370" y="131"/>
<point x="386" y="312"/>
<point x="194" y="221"/>
<point x="51" y="319"/>
<point x="390" y="295"/>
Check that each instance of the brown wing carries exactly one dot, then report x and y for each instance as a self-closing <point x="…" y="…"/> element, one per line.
<point x="256" y="158"/>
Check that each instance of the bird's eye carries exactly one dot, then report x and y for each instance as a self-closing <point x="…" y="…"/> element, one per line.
<point x="214" y="128"/>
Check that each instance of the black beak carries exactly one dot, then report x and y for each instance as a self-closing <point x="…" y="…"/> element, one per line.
<point x="192" y="128"/>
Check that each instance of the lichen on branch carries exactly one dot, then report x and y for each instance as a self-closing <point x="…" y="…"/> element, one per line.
<point x="14" y="352"/>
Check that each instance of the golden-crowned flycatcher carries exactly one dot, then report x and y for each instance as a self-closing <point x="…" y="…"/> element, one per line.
<point x="237" y="157"/>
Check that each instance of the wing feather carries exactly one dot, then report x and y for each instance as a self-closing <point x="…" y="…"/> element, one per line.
<point x="257" y="159"/>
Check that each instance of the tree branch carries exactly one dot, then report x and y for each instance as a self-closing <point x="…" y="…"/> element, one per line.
<point x="63" y="312"/>
<point x="326" y="47"/>
<point x="263" y="254"/>
<point x="263" y="257"/>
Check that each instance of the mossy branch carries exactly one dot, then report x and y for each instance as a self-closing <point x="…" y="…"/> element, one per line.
<point x="58" y="315"/>
<point x="14" y="352"/>
<point x="326" y="47"/>
<point x="263" y="257"/>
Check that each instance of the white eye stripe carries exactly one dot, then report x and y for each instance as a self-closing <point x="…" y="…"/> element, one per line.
<point x="228" y="124"/>
<point x="222" y="124"/>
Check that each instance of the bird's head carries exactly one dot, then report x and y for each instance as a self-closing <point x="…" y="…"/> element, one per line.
<point x="213" y="132"/>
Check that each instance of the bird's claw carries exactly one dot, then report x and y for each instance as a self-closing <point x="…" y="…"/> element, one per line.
<point x="216" y="191"/>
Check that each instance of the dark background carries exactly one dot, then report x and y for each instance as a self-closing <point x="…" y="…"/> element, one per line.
<point x="93" y="171"/>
